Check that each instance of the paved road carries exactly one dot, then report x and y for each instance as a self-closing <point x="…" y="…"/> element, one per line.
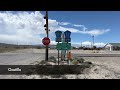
<point x="25" y="57"/>
<point x="19" y="59"/>
<point x="99" y="55"/>
<point x="107" y="63"/>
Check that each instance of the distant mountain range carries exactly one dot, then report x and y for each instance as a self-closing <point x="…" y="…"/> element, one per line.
<point x="4" y="44"/>
<point x="26" y="46"/>
<point x="32" y="46"/>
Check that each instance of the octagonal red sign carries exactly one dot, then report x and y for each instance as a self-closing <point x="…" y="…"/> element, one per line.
<point x="46" y="41"/>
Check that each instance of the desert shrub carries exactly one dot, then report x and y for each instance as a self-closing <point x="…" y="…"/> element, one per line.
<point x="6" y="47"/>
<point x="42" y="62"/>
<point x="57" y="71"/>
<point x="17" y="47"/>
<point x="38" y="47"/>
<point x="73" y="47"/>
<point x="53" y="59"/>
<point x="24" y="47"/>
<point x="87" y="64"/>
<point x="75" y="62"/>
<point x="80" y="60"/>
<point x="64" y="77"/>
<point x="55" y="76"/>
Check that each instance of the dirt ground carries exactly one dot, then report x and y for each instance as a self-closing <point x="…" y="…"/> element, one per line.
<point x="104" y="67"/>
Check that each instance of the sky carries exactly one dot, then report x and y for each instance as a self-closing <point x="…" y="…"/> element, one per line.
<point x="27" y="27"/>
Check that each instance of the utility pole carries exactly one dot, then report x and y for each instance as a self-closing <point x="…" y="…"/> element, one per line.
<point x="81" y="44"/>
<point x="17" y="45"/>
<point x="93" y="40"/>
<point x="46" y="25"/>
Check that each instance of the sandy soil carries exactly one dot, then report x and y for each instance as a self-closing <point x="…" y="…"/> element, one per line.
<point x="105" y="67"/>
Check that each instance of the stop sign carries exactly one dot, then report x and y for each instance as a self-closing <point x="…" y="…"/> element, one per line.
<point x="46" y="41"/>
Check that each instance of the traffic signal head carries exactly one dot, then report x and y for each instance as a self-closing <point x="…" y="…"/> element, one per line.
<point x="45" y="25"/>
<point x="44" y="17"/>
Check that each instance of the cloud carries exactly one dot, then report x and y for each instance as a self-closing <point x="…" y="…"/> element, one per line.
<point x="28" y="27"/>
<point x="53" y="42"/>
<point x="53" y="23"/>
<point x="21" y="27"/>
<point x="64" y="23"/>
<point x="100" y="44"/>
<point x="96" y="32"/>
<point x="77" y="25"/>
<point x="14" y="39"/>
<point x="70" y="29"/>
<point x="88" y="44"/>
<point x="83" y="28"/>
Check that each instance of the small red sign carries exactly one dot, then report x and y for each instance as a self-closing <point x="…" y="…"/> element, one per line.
<point x="46" y="41"/>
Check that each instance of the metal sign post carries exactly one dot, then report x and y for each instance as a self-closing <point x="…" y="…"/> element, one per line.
<point x="68" y="39"/>
<point x="46" y="41"/>
<point x="65" y="45"/>
<point x="63" y="52"/>
<point x="58" y="39"/>
<point x="58" y="55"/>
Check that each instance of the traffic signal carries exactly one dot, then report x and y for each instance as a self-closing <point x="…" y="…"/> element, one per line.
<point x="45" y="25"/>
<point x="44" y="17"/>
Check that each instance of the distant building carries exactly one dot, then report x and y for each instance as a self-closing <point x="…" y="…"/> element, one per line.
<point x="112" y="46"/>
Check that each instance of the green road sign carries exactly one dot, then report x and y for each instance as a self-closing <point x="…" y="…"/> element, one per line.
<point x="63" y="46"/>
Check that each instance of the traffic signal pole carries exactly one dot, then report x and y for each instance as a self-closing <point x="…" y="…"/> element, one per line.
<point x="46" y="53"/>
<point x="47" y="23"/>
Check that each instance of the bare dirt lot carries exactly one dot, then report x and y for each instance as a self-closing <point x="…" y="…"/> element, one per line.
<point x="105" y="67"/>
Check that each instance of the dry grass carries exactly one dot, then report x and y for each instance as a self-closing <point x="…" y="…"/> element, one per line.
<point x="8" y="49"/>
